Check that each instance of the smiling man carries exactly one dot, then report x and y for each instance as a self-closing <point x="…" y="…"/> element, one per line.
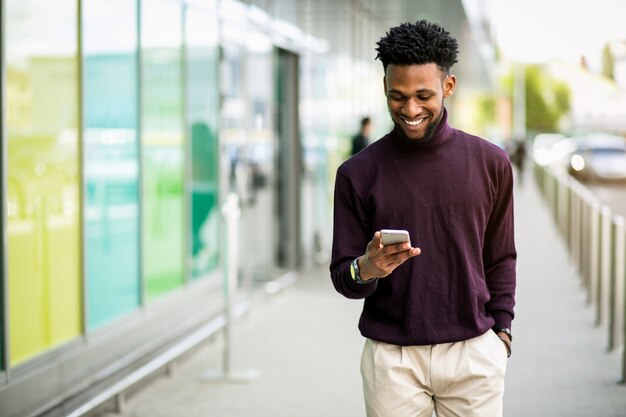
<point x="436" y="315"/>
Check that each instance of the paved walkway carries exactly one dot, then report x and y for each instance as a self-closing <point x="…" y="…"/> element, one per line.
<point x="305" y="347"/>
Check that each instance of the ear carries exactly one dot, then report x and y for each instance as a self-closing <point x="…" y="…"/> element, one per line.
<point x="449" y="85"/>
<point x="385" y="84"/>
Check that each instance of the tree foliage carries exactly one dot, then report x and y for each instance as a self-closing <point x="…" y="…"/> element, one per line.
<point x="547" y="99"/>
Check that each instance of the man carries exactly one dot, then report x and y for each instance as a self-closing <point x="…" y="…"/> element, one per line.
<point x="437" y="315"/>
<point x="361" y="139"/>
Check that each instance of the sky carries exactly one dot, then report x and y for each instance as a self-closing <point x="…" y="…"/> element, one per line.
<point x="540" y="30"/>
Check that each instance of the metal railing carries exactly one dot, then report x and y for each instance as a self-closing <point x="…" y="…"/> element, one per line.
<point x="596" y="240"/>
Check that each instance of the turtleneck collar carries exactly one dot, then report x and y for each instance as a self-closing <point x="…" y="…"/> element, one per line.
<point x="437" y="139"/>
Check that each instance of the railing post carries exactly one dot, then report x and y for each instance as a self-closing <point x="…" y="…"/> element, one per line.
<point x="549" y="192"/>
<point x="575" y="224"/>
<point x="594" y="251"/>
<point x="554" y="196"/>
<point x="563" y="207"/>
<point x="582" y="229"/>
<point x="584" y="238"/>
<point x="604" y="275"/>
<point x="587" y="245"/>
<point x="616" y="305"/>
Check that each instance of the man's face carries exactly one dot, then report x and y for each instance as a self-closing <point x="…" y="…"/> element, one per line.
<point x="415" y="95"/>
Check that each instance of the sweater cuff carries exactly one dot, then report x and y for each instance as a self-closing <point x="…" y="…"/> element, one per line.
<point x="502" y="318"/>
<point x="355" y="287"/>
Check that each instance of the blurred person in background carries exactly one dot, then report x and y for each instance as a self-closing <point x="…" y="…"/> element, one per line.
<point x="437" y="315"/>
<point x="518" y="158"/>
<point x="361" y="139"/>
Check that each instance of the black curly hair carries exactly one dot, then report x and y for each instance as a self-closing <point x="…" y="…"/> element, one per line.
<point x="416" y="44"/>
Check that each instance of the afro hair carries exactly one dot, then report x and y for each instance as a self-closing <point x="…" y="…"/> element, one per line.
<point x="416" y="44"/>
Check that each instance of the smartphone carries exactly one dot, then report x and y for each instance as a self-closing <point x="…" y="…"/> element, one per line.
<point x="393" y="237"/>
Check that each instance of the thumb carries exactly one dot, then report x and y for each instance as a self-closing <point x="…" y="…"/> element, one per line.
<point x="378" y="240"/>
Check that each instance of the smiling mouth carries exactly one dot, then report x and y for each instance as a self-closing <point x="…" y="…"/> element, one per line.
<point x="413" y="122"/>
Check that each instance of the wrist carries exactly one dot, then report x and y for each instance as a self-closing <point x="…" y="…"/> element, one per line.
<point x="364" y="273"/>
<point x="355" y="273"/>
<point x="505" y="330"/>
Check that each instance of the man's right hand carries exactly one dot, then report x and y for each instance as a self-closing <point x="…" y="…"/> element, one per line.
<point x="379" y="261"/>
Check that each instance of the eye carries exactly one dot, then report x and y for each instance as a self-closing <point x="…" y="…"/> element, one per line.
<point x="424" y="98"/>
<point x="396" y="97"/>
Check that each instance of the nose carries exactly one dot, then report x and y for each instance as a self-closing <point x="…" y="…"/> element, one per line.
<point x="412" y="107"/>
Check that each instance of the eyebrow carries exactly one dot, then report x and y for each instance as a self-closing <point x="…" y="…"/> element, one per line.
<point x="420" y="91"/>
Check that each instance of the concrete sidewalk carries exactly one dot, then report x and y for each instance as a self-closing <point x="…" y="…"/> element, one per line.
<point x="305" y="346"/>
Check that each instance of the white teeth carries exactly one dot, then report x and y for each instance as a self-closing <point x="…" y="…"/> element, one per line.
<point x="413" y="123"/>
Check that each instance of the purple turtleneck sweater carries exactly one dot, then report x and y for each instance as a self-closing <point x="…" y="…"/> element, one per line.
<point x="454" y="194"/>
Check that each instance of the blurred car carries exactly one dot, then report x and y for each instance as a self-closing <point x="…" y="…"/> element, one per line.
<point x="597" y="157"/>
<point x="544" y="150"/>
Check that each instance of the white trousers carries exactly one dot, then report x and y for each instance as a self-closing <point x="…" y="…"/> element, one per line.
<point x="462" y="379"/>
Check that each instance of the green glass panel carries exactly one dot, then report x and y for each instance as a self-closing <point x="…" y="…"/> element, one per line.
<point x="202" y="118"/>
<point x="44" y="282"/>
<point x="162" y="147"/>
<point x="111" y="174"/>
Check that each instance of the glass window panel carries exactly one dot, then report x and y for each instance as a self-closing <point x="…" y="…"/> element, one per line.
<point x="162" y="146"/>
<point x="44" y="282"/>
<point x="111" y="195"/>
<point x="202" y="120"/>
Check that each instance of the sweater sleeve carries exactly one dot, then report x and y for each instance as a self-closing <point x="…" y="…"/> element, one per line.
<point x="350" y="238"/>
<point x="499" y="254"/>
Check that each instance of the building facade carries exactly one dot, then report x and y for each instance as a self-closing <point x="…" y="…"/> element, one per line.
<point x="126" y="124"/>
